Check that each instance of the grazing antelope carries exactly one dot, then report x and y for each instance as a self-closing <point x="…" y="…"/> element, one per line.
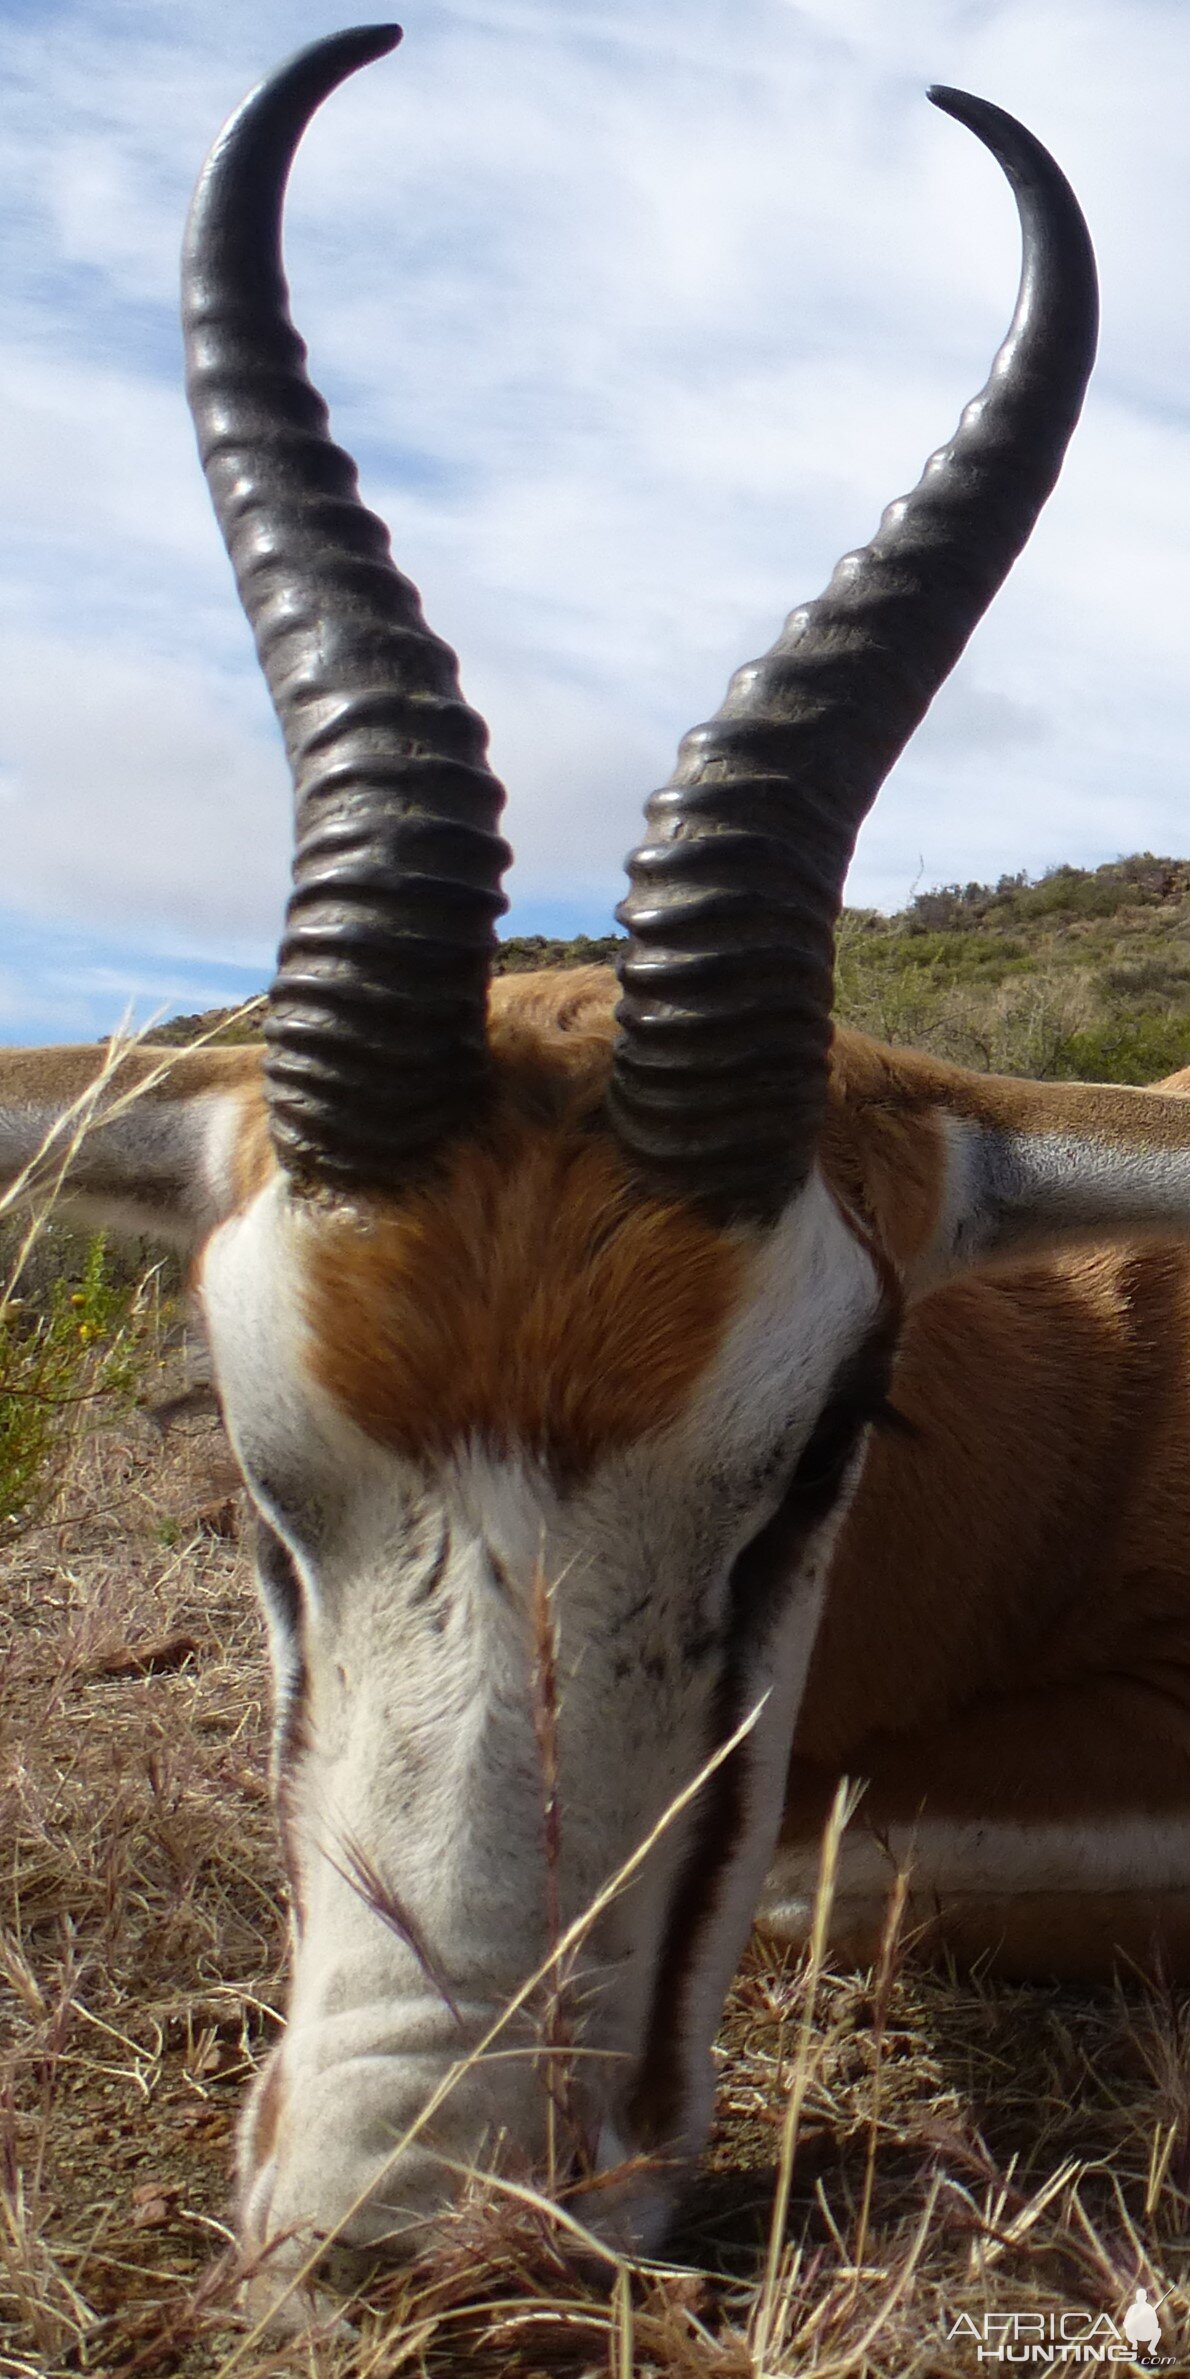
<point x="507" y="1283"/>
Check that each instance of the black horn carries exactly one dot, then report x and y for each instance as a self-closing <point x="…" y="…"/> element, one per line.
<point x="720" y="1072"/>
<point x="376" y="1048"/>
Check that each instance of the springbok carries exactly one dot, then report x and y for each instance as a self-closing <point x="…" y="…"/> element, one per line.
<point x="515" y="1291"/>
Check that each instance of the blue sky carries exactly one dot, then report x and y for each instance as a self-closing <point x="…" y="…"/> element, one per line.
<point x="635" y="316"/>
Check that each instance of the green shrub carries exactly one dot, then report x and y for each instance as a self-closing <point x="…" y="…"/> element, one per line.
<point x="525" y="953"/>
<point x="1154" y="975"/>
<point x="1129" y="1049"/>
<point x="82" y="1338"/>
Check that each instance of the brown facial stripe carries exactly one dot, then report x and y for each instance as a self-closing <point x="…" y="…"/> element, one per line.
<point x="280" y="1586"/>
<point x="760" y="1577"/>
<point x="528" y="1297"/>
<point x="266" y="2118"/>
<point x="278" y="1577"/>
<point x="656" y="2102"/>
<point x="292" y="1746"/>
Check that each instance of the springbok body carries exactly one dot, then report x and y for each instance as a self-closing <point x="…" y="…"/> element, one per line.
<point x="550" y="1336"/>
<point x="1004" y="1652"/>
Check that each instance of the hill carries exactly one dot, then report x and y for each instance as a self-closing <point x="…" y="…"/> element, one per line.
<point x="1083" y="974"/>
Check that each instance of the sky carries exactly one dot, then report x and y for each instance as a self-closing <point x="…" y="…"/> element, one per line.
<point x="635" y="313"/>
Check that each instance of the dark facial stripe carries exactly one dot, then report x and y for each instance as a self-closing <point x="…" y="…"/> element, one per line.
<point x="760" y="1579"/>
<point x="657" y="2098"/>
<point x="281" y="1588"/>
<point x="279" y="1582"/>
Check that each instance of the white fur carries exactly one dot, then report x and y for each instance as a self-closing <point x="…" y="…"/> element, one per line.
<point x="424" y="1721"/>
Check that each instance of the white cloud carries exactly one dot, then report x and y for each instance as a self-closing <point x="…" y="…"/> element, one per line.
<point x="141" y="801"/>
<point x="636" y="318"/>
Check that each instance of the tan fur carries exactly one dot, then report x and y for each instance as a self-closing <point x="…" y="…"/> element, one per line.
<point x="53" y="1078"/>
<point x="1049" y="1407"/>
<point x="1007" y="1630"/>
<point x="883" y="1154"/>
<point x="921" y="1087"/>
<point x="254" y="1162"/>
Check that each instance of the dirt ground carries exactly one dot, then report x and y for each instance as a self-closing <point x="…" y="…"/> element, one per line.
<point x="961" y="2150"/>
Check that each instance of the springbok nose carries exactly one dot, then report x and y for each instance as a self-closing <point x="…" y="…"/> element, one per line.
<point x="353" y="2147"/>
<point x="352" y="2162"/>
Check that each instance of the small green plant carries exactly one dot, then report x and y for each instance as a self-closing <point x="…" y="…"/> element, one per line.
<point x="84" y="1337"/>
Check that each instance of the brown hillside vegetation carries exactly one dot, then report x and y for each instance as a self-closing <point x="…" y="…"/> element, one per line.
<point x="898" y="2156"/>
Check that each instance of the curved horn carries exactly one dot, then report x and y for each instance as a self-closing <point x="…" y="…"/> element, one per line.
<point x="375" y="1031"/>
<point x="719" y="1079"/>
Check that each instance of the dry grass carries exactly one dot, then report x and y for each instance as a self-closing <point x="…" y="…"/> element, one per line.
<point x="931" y="2146"/>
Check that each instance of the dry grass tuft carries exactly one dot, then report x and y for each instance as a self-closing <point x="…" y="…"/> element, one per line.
<point x="891" y="2151"/>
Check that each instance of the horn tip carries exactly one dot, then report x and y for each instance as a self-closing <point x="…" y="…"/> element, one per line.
<point x="954" y="102"/>
<point x="389" y="33"/>
<point x="362" y="43"/>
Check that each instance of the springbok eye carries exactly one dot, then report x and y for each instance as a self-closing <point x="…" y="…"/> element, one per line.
<point x="858" y="1399"/>
<point x="836" y="1432"/>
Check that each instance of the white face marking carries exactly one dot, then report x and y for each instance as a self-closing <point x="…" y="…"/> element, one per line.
<point x="419" y="1758"/>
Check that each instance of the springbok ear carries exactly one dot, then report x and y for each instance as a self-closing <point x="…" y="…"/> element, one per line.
<point x="949" y="1169"/>
<point x="162" y="1141"/>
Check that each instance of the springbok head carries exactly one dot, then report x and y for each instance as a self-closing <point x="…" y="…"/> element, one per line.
<point x="548" y="1337"/>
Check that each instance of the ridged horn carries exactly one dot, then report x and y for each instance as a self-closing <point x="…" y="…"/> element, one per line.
<point x="719" y="1077"/>
<point x="375" y="1030"/>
